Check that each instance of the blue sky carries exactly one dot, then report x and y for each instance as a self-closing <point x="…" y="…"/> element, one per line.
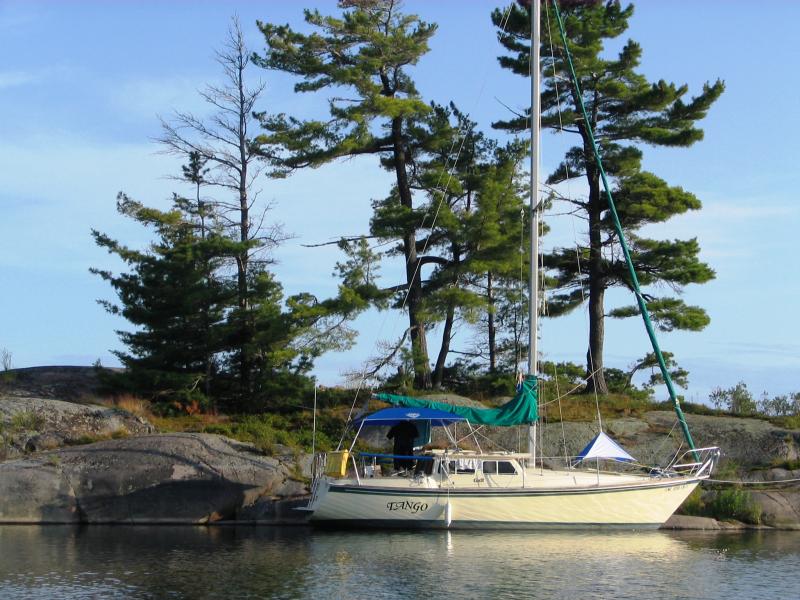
<point x="82" y="83"/>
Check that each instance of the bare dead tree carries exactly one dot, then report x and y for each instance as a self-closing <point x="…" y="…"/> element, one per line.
<point x="6" y="359"/>
<point x="225" y="142"/>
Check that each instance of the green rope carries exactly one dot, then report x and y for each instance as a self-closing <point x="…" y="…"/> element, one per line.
<point x="618" y="228"/>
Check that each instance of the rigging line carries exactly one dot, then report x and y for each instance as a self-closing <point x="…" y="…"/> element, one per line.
<point x="408" y="291"/>
<point x="657" y="451"/>
<point x="560" y="413"/>
<point x="675" y="456"/>
<point x="447" y="166"/>
<point x="435" y="217"/>
<point x="361" y="382"/>
<point x="765" y="483"/>
<point x="451" y="171"/>
<point x="473" y="433"/>
<point x="565" y="395"/>
<point x="553" y="64"/>
<point x="640" y="299"/>
<point x="583" y="301"/>
<point x="569" y="182"/>
<point x="518" y="346"/>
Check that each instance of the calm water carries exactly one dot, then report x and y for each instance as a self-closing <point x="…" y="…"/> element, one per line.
<point x="249" y="562"/>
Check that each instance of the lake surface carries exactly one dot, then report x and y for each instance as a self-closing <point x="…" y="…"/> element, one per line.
<point x="292" y="562"/>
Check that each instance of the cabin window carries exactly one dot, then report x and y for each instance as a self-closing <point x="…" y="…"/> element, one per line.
<point x="499" y="467"/>
<point x="505" y="467"/>
<point x="462" y="465"/>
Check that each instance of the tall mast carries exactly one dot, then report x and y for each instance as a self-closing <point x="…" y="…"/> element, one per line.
<point x="533" y="306"/>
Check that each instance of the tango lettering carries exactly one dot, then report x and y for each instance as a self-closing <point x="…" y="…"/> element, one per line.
<point x="407" y="505"/>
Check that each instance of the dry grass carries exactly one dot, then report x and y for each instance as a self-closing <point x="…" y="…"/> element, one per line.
<point x="129" y="403"/>
<point x="135" y="406"/>
<point x="189" y="423"/>
<point x="195" y="422"/>
<point x="90" y="438"/>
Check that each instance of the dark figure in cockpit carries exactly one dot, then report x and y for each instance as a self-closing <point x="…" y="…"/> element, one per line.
<point x="403" y="434"/>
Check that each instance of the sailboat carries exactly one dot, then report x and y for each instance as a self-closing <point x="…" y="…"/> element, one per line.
<point x="460" y="488"/>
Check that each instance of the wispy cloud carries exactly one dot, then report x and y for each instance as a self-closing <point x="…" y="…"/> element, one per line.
<point x="22" y="77"/>
<point x="149" y="97"/>
<point x="16" y="17"/>
<point x="739" y="212"/>
<point x="10" y="79"/>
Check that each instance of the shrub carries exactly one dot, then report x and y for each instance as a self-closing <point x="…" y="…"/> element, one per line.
<point x="27" y="420"/>
<point x="726" y="504"/>
<point x="734" y="503"/>
<point x="737" y="400"/>
<point x="694" y="505"/>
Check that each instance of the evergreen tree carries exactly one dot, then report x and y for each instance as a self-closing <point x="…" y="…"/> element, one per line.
<point x="626" y="112"/>
<point x="168" y="297"/>
<point x="366" y="51"/>
<point x="182" y="300"/>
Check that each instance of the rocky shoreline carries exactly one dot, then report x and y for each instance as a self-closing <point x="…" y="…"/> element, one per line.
<point x="50" y="474"/>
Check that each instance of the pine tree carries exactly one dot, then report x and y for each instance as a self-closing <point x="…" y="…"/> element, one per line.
<point x="367" y="51"/>
<point x="626" y="111"/>
<point x="167" y="295"/>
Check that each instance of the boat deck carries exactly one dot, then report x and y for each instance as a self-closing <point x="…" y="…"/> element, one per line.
<point x="532" y="479"/>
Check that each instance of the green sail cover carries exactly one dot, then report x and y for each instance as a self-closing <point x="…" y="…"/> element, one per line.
<point x="522" y="410"/>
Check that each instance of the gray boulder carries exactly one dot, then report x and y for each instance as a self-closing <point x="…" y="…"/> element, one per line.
<point x="168" y="478"/>
<point x="700" y="523"/>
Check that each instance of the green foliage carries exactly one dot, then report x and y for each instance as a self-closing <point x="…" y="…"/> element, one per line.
<point x="694" y="504"/>
<point x="266" y="431"/>
<point x="791" y="422"/>
<point x="733" y="503"/>
<point x="786" y="405"/>
<point x="168" y="295"/>
<point x="365" y="55"/>
<point x="689" y="407"/>
<point x="737" y="400"/>
<point x="368" y="50"/>
<point x="192" y="335"/>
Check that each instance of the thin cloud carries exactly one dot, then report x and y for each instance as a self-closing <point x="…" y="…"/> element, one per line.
<point x="738" y="212"/>
<point x="12" y="79"/>
<point x="159" y="96"/>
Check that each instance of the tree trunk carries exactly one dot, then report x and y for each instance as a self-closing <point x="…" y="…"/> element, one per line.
<point x="209" y="352"/>
<point x="597" y="288"/>
<point x="597" y="285"/>
<point x="492" y="328"/>
<point x="447" y="334"/>
<point x="243" y="259"/>
<point x="419" y="342"/>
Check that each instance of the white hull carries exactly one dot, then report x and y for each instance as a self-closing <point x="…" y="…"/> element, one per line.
<point x="632" y="502"/>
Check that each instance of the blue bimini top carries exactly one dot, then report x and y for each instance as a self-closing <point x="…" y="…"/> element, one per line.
<point x="398" y="414"/>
